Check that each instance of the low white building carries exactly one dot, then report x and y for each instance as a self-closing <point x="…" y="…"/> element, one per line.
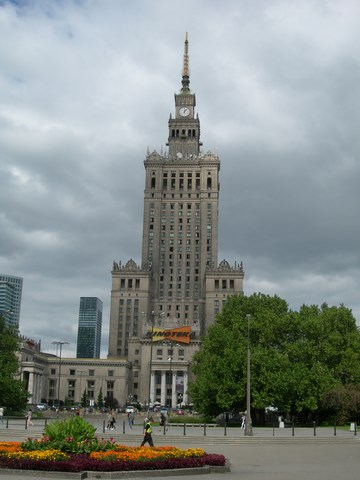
<point x="48" y="377"/>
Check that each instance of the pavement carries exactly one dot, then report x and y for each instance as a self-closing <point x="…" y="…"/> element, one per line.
<point x="270" y="454"/>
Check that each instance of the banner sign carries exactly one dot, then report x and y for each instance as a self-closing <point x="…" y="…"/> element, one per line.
<point x="179" y="335"/>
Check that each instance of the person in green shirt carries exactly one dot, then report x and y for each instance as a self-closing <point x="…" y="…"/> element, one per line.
<point x="147" y="433"/>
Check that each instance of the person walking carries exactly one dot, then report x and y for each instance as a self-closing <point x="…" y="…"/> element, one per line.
<point x="131" y="416"/>
<point x="147" y="433"/>
<point x="162" y="422"/>
<point x="110" y="421"/>
<point x="1" y="414"/>
<point x="243" y="421"/>
<point x="28" y="418"/>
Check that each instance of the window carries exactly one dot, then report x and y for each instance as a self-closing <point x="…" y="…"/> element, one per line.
<point x="110" y="373"/>
<point x="72" y="372"/>
<point x="91" y="373"/>
<point x="52" y="371"/>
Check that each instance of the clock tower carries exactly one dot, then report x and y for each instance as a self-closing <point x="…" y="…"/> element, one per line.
<point x="184" y="129"/>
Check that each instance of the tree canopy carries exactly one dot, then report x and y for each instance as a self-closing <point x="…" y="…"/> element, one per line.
<point x="13" y="395"/>
<point x="296" y="357"/>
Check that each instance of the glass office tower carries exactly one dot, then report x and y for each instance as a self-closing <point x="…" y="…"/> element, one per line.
<point x="89" y="328"/>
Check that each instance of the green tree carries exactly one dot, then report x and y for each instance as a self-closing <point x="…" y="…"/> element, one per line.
<point x="343" y="402"/>
<point x="295" y="356"/>
<point x="84" y="399"/>
<point x="100" y="399"/>
<point x="13" y="395"/>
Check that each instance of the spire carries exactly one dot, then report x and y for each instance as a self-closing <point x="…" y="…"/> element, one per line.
<point x="185" y="74"/>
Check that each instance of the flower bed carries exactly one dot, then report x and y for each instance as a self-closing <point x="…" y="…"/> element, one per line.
<point x="107" y="457"/>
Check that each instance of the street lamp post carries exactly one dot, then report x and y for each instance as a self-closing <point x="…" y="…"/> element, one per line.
<point x="170" y="344"/>
<point x="60" y="345"/>
<point x="152" y="319"/>
<point x="248" y="423"/>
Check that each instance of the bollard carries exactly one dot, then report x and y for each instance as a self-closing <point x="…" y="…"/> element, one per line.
<point x="293" y="429"/>
<point x="335" y="427"/>
<point x="225" y="429"/>
<point x="204" y="429"/>
<point x="103" y="426"/>
<point x="123" y="426"/>
<point x="274" y="429"/>
<point x="164" y="431"/>
<point x="7" y="423"/>
<point x="184" y="429"/>
<point x="314" y="429"/>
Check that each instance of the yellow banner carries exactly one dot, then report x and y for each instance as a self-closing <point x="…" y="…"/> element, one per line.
<point x="179" y="335"/>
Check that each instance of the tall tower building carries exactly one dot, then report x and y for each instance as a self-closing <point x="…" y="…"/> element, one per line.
<point x="10" y="299"/>
<point x="89" y="328"/>
<point x="161" y="309"/>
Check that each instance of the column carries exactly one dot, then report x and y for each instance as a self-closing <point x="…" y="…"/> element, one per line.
<point x="41" y="378"/>
<point x="163" y="388"/>
<point x="185" y="396"/>
<point x="35" y="397"/>
<point x="152" y="388"/>
<point x="31" y="384"/>
<point x="173" y="391"/>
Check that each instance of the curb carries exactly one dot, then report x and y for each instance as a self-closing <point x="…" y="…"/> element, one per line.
<point x="116" y="475"/>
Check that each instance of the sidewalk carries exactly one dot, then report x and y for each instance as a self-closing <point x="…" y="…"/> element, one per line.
<point x="123" y="429"/>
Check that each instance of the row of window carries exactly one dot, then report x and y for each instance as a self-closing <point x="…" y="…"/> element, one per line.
<point x="90" y="389"/>
<point x="190" y="132"/>
<point x="89" y="373"/>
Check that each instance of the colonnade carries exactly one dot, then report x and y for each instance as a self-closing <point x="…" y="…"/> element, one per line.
<point x="34" y="385"/>
<point x="174" y="390"/>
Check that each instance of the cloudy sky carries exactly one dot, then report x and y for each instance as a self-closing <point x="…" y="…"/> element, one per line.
<point x="87" y="86"/>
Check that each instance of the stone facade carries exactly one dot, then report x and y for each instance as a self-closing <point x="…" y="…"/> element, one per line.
<point x="179" y="283"/>
<point x="42" y="372"/>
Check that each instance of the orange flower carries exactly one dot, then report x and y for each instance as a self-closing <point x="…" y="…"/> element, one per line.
<point x="6" y="447"/>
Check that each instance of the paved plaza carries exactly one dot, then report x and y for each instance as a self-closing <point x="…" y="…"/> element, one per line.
<point x="270" y="454"/>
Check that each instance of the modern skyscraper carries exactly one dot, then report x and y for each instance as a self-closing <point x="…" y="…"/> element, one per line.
<point x="89" y="328"/>
<point x="170" y="301"/>
<point x="10" y="299"/>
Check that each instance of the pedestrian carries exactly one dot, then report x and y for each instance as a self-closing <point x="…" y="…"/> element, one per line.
<point x="243" y="421"/>
<point x="109" y="420"/>
<point x="28" y="418"/>
<point x="162" y="421"/>
<point x="1" y="414"/>
<point x="112" y="422"/>
<point x="147" y="433"/>
<point x="131" y="416"/>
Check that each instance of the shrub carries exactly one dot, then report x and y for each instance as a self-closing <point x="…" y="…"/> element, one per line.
<point x="72" y="435"/>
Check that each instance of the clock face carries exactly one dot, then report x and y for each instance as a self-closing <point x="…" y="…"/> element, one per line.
<point x="184" y="111"/>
